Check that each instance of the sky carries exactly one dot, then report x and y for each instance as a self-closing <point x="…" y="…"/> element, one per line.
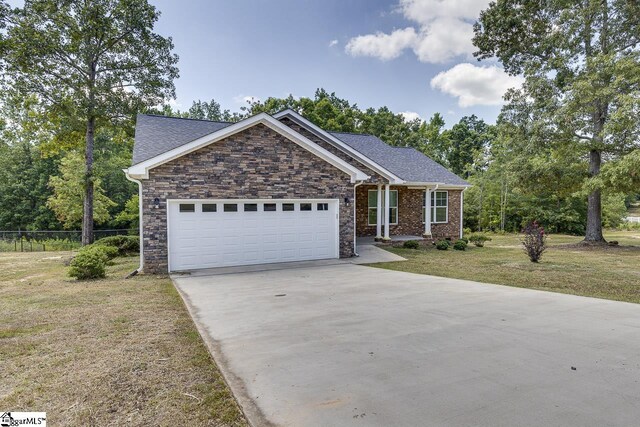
<point x="413" y="56"/>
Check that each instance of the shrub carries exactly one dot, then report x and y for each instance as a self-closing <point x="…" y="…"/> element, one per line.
<point x="411" y="244"/>
<point x="442" y="245"/>
<point x="126" y="245"/>
<point x="460" y="245"/>
<point x="478" y="239"/>
<point x="88" y="264"/>
<point x="534" y="241"/>
<point x="464" y="239"/>
<point x="107" y="252"/>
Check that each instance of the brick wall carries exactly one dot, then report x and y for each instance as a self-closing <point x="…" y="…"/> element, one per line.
<point x="374" y="176"/>
<point x="409" y="214"/>
<point x="255" y="163"/>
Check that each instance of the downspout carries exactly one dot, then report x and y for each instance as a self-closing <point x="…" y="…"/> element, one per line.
<point x="126" y="173"/>
<point x="355" y="245"/>
<point x="461" y="211"/>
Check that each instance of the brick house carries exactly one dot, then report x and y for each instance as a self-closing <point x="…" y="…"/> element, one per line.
<point x="278" y="188"/>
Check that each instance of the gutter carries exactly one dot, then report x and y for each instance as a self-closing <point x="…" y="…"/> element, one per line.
<point x="126" y="173"/>
<point x="355" y="244"/>
<point x="462" y="212"/>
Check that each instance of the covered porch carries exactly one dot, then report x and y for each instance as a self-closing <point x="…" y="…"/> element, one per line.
<point x="412" y="211"/>
<point x="394" y="212"/>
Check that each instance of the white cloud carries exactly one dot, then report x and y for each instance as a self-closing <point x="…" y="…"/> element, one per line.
<point x="380" y="45"/>
<point x="444" y="40"/>
<point x="332" y="43"/>
<point x="243" y="99"/>
<point x="474" y="85"/>
<point x="410" y="116"/>
<point x="425" y="11"/>
<point x="443" y="31"/>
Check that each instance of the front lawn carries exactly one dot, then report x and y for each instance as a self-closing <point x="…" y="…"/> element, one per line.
<point x="609" y="272"/>
<point x="106" y="352"/>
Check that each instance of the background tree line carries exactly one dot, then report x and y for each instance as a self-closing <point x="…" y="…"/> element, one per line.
<point x="565" y="149"/>
<point x="40" y="187"/>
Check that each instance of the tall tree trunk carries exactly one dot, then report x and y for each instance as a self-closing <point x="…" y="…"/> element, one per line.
<point x="87" y="216"/>
<point x="594" y="206"/>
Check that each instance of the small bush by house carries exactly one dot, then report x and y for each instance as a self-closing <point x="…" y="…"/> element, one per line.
<point x="442" y="245"/>
<point x="479" y="239"/>
<point x="89" y="264"/>
<point x="460" y="245"/>
<point x="411" y="244"/>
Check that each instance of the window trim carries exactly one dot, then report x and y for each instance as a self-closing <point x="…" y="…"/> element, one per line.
<point x="433" y="207"/>
<point x="396" y="207"/>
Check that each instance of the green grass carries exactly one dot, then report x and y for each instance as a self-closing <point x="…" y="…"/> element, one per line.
<point x="605" y="272"/>
<point x="104" y="352"/>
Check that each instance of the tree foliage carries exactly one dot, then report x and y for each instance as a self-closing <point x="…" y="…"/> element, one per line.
<point x="68" y="191"/>
<point x="581" y="94"/>
<point x="90" y="63"/>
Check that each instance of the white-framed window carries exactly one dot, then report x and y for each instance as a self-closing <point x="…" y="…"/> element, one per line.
<point x="372" y="209"/>
<point x="439" y="206"/>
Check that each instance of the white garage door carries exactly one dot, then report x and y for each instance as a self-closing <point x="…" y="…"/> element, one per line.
<point x="221" y="233"/>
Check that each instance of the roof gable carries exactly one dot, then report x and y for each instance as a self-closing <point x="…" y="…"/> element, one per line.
<point x="141" y="169"/>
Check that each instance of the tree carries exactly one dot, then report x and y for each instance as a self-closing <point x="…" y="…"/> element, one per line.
<point x="68" y="192"/>
<point x="465" y="141"/>
<point x="582" y="80"/>
<point x="91" y="62"/>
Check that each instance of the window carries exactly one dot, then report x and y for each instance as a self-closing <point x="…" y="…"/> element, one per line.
<point x="230" y="207"/>
<point x="209" y="207"/>
<point x="439" y="206"/>
<point x="373" y="206"/>
<point x="323" y="206"/>
<point x="305" y="206"/>
<point x="187" y="207"/>
<point x="393" y="207"/>
<point x="270" y="207"/>
<point x="251" y="207"/>
<point x="288" y="207"/>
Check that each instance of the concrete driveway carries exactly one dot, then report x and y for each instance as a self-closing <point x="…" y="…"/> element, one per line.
<point x="334" y="345"/>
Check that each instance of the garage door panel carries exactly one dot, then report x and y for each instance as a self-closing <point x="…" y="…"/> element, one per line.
<point x="217" y="239"/>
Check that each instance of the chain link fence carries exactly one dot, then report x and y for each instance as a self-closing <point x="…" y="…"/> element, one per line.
<point x="40" y="240"/>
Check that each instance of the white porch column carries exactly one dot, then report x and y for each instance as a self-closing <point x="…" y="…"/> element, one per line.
<point x="379" y="214"/>
<point x="386" y="212"/>
<point x="427" y="213"/>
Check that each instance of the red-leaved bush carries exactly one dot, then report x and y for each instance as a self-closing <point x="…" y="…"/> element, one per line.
<point x="534" y="241"/>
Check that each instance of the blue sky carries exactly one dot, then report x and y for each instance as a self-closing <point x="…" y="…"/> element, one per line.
<point x="230" y="50"/>
<point x="414" y="56"/>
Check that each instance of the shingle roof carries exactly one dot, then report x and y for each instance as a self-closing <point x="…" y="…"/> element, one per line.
<point x="407" y="163"/>
<point x="158" y="134"/>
